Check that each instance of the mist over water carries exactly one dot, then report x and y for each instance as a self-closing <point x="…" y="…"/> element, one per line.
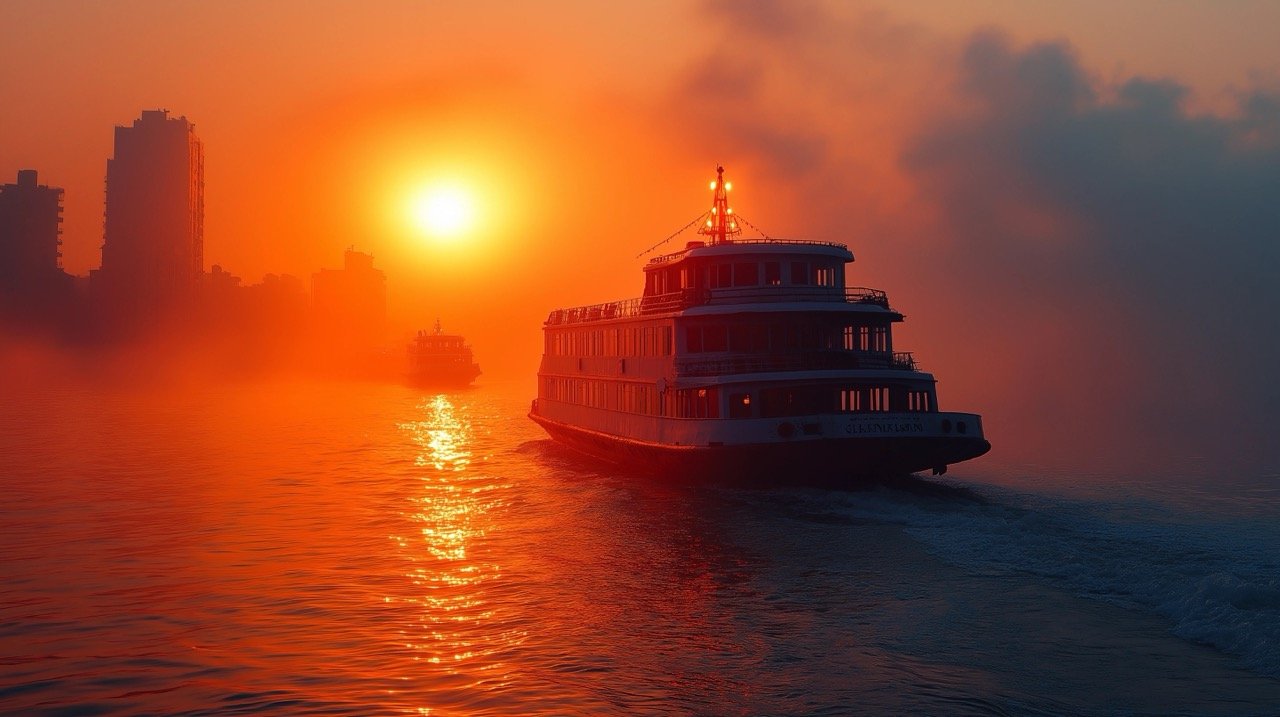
<point x="361" y="548"/>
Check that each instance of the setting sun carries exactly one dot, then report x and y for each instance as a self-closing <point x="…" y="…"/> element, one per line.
<point x="443" y="211"/>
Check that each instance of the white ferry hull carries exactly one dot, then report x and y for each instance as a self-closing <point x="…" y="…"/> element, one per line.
<point x="841" y="457"/>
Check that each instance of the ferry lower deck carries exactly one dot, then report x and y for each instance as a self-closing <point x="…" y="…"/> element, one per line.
<point x="826" y="448"/>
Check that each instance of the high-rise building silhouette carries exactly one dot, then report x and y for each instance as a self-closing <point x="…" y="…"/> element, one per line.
<point x="153" y="243"/>
<point x="30" y="225"/>
<point x="350" y="304"/>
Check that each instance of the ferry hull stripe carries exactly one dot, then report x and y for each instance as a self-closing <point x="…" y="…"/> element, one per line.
<point x="833" y="460"/>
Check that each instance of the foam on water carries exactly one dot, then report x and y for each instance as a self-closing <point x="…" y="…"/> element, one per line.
<point x="1215" y="577"/>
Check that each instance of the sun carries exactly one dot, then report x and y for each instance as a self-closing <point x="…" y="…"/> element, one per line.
<point x="443" y="211"/>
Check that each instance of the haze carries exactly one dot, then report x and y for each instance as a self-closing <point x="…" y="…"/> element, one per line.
<point x="1075" y="204"/>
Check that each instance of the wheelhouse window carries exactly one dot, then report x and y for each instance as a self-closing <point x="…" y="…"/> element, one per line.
<point x="800" y="272"/>
<point x="825" y="276"/>
<point x="772" y="273"/>
<point x="739" y="405"/>
<point x="724" y="275"/>
<point x="746" y="274"/>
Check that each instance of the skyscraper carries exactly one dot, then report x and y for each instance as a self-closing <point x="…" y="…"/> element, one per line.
<point x="153" y="243"/>
<point x="30" y="223"/>
<point x="350" y="304"/>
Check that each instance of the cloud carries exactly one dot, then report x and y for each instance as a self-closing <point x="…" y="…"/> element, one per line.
<point x="1087" y="262"/>
<point x="1168" y="218"/>
<point x="768" y="19"/>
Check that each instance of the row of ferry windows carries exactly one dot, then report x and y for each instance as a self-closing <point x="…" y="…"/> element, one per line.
<point x="634" y="341"/>
<point x="754" y="338"/>
<point x="645" y="399"/>
<point x="743" y="273"/>
<point x="712" y="338"/>
<point x="809" y="400"/>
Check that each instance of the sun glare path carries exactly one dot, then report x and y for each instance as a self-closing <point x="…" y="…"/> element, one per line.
<point x="443" y="212"/>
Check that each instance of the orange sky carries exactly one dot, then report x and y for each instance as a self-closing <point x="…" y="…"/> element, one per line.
<point x="589" y="130"/>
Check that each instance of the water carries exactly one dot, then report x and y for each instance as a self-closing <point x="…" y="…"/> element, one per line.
<point x="371" y="549"/>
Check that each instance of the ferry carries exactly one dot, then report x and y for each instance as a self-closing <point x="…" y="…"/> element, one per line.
<point x="440" y="359"/>
<point x="747" y="358"/>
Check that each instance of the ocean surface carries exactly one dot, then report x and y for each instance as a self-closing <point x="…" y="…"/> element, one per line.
<point x="368" y="549"/>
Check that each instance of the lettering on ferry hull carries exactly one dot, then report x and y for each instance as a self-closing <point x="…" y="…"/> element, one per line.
<point x="892" y="427"/>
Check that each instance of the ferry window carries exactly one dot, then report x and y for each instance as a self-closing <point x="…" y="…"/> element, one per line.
<point x="724" y="275"/>
<point x="847" y="339"/>
<point x="772" y="273"/>
<point x="697" y="403"/>
<point x="739" y="405"/>
<point x="878" y="399"/>
<point x="738" y="338"/>
<point x="759" y="341"/>
<point x="800" y="272"/>
<point x="918" y="401"/>
<point x="666" y="340"/>
<point x="826" y="276"/>
<point x="776" y="402"/>
<point x="714" y="338"/>
<point x="850" y="400"/>
<point x="746" y="274"/>
<point x="693" y="339"/>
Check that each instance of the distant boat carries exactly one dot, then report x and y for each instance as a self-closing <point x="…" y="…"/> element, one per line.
<point x="747" y="358"/>
<point x="440" y="359"/>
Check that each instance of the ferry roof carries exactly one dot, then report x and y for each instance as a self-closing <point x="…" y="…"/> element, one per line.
<point x="755" y="246"/>
<point x="804" y="307"/>
<point x="791" y="377"/>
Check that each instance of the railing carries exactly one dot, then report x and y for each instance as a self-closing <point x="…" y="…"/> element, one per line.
<point x="797" y="242"/>
<point x="863" y="295"/>
<point x="686" y="298"/>
<point x="904" y="360"/>
<point x="818" y="361"/>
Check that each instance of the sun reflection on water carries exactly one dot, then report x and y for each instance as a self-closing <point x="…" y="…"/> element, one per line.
<point x="458" y="626"/>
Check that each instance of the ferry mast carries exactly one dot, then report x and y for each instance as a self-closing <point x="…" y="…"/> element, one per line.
<point x="721" y="224"/>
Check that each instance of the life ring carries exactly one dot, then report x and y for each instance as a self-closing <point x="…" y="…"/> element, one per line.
<point x="786" y="430"/>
